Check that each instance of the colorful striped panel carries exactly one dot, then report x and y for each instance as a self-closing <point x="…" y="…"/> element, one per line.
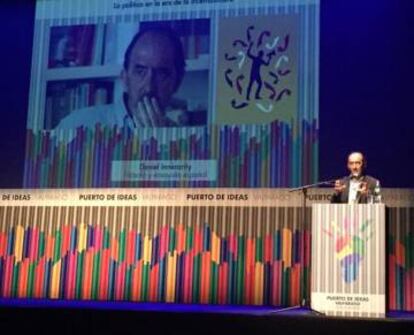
<point x="160" y="254"/>
<point x="400" y="235"/>
<point x="247" y="156"/>
<point x="219" y="255"/>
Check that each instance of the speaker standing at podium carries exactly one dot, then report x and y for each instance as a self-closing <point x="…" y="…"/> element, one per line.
<point x="357" y="187"/>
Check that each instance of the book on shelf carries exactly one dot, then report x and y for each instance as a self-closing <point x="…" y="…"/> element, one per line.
<point x="62" y="98"/>
<point x="81" y="45"/>
<point x="98" y="46"/>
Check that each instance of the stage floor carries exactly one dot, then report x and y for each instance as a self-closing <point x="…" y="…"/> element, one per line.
<point x="91" y="317"/>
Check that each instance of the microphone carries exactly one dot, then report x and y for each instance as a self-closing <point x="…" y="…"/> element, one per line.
<point x="319" y="183"/>
<point x="330" y="182"/>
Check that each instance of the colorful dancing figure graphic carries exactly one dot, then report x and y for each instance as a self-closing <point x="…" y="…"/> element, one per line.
<point x="255" y="76"/>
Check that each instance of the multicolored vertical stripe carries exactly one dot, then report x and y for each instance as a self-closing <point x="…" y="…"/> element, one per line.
<point x="400" y="235"/>
<point x="218" y="255"/>
<point x="247" y="156"/>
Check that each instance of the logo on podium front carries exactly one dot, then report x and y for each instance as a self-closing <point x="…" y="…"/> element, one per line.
<point x="348" y="260"/>
<point x="351" y="238"/>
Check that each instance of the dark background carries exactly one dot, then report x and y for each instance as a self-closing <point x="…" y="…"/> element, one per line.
<point x="366" y="87"/>
<point x="366" y="98"/>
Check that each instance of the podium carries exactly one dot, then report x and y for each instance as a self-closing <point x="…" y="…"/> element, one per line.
<point x="348" y="260"/>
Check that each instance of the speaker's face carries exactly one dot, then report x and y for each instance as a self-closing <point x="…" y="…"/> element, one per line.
<point x="151" y="71"/>
<point x="355" y="164"/>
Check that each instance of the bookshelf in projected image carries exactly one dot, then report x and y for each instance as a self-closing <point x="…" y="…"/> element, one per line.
<point x="85" y="63"/>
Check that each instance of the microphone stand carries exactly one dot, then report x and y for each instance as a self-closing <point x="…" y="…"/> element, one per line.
<point x="304" y="189"/>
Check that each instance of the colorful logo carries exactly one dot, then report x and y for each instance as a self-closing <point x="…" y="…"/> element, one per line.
<point x="350" y="245"/>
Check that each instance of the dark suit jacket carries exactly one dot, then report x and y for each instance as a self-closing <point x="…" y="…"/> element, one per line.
<point x="342" y="197"/>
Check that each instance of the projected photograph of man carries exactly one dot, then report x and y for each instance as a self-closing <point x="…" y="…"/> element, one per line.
<point x="163" y="81"/>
